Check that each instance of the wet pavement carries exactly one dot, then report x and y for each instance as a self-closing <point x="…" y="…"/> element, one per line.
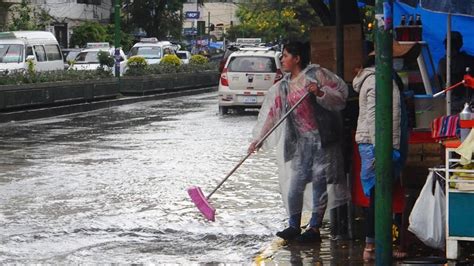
<point x="109" y="186"/>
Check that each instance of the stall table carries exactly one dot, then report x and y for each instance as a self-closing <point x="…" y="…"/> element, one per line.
<point x="459" y="205"/>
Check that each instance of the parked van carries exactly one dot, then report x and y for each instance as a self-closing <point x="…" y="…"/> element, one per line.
<point x="17" y="47"/>
<point x="152" y="49"/>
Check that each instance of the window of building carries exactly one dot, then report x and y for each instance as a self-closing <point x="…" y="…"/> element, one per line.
<point x="89" y="2"/>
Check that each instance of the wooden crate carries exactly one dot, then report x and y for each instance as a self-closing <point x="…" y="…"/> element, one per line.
<point x="323" y="48"/>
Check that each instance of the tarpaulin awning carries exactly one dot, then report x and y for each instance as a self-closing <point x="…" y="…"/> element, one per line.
<point x="454" y="7"/>
<point x="434" y="23"/>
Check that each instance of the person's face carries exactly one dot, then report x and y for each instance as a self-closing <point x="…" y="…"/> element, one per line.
<point x="289" y="62"/>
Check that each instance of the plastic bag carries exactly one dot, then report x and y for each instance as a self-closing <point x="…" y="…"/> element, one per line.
<point x="428" y="217"/>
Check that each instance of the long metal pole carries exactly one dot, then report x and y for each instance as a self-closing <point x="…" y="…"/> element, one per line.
<point x="383" y="132"/>
<point x="208" y="30"/>
<point x="339" y="39"/>
<point x="448" y="64"/>
<point x="338" y="216"/>
<point x="117" y="37"/>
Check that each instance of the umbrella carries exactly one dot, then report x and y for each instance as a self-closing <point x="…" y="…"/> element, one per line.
<point x="450" y="7"/>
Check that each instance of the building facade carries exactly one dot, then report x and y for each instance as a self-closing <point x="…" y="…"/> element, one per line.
<point x="66" y="14"/>
<point x="219" y="13"/>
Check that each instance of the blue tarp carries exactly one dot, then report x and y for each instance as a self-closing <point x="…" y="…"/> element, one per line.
<point x="434" y="28"/>
<point x="458" y="7"/>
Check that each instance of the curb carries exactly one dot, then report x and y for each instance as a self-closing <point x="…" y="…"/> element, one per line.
<point x="91" y="106"/>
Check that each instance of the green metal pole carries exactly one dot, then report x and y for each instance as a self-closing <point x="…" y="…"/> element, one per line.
<point x="117" y="37"/>
<point x="383" y="132"/>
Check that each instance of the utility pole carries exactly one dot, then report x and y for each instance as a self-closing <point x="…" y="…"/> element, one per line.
<point x="117" y="8"/>
<point x="383" y="129"/>
<point x="209" y="30"/>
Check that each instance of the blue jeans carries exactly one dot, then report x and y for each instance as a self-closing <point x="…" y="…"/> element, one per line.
<point x="367" y="171"/>
<point x="367" y="177"/>
<point x="308" y="165"/>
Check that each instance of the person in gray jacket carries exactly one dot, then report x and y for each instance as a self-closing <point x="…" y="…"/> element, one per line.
<point x="364" y="84"/>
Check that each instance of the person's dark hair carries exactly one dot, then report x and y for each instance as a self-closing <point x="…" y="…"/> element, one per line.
<point x="299" y="49"/>
<point x="369" y="60"/>
<point x="456" y="41"/>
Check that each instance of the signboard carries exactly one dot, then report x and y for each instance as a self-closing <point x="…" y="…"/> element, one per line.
<point x="189" y="31"/>
<point x="192" y="15"/>
<point x="253" y="41"/>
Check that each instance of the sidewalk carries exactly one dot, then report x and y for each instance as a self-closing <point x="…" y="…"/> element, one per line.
<point x="338" y="252"/>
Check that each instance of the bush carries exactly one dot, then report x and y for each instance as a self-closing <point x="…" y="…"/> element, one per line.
<point x="18" y="78"/>
<point x="137" y="62"/>
<point x="171" y="60"/>
<point x="157" y="69"/>
<point x="136" y="66"/>
<point x="105" y="59"/>
<point x="198" y="60"/>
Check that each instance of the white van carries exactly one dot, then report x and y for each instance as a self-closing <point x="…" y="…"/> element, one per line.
<point x="152" y="49"/>
<point x="17" y="47"/>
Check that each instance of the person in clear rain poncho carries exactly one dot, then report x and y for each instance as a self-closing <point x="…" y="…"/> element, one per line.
<point x="309" y="154"/>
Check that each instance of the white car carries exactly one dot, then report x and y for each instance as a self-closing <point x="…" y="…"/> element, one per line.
<point x="88" y="59"/>
<point x="246" y="78"/>
<point x="152" y="49"/>
<point x="18" y="47"/>
<point x="185" y="56"/>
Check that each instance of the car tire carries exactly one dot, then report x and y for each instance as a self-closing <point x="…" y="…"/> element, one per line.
<point x="223" y="110"/>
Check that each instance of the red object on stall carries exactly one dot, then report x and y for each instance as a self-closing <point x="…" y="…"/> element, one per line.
<point x="358" y="196"/>
<point x="469" y="81"/>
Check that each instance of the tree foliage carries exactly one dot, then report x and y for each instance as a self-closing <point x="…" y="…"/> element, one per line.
<point x="273" y="19"/>
<point x="89" y="32"/>
<point x="26" y="17"/>
<point x="95" y="32"/>
<point x="158" y="18"/>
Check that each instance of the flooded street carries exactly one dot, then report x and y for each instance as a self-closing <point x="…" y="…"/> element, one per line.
<point x="109" y="186"/>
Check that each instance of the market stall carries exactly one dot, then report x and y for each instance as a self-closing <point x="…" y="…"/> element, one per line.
<point x="455" y="209"/>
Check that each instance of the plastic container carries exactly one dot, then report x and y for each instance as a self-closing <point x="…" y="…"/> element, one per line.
<point x="428" y="109"/>
<point x="465" y="116"/>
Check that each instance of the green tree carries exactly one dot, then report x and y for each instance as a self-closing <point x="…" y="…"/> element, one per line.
<point x="95" y="32"/>
<point x="89" y="32"/>
<point x="271" y="20"/>
<point x="26" y="17"/>
<point x="126" y="39"/>
<point x="158" y="18"/>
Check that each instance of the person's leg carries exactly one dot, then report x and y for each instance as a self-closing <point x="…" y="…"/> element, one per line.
<point x="301" y="173"/>
<point x="369" y="251"/>
<point x="370" y="220"/>
<point x="298" y="182"/>
<point x="320" y="202"/>
<point x="321" y="160"/>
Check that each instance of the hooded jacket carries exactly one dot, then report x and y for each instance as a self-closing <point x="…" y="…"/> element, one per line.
<point x="364" y="84"/>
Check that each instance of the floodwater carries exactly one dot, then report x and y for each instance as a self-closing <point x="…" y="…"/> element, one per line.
<point x="109" y="186"/>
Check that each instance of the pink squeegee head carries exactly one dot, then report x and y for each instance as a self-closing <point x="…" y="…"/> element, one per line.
<point x="196" y="195"/>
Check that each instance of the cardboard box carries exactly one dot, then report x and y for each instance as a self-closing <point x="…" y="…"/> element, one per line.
<point x="323" y="48"/>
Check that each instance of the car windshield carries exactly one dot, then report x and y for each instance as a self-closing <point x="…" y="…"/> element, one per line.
<point x="149" y="52"/>
<point x="182" y="55"/>
<point x="252" y="64"/>
<point x="70" y="55"/>
<point x="87" y="58"/>
<point x="11" y="53"/>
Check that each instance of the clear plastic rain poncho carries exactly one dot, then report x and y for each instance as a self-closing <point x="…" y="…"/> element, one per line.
<point x="309" y="153"/>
